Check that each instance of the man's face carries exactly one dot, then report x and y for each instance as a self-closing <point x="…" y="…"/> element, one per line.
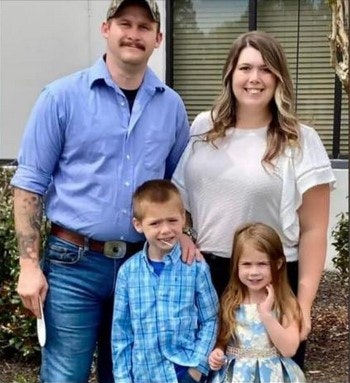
<point x="131" y="36"/>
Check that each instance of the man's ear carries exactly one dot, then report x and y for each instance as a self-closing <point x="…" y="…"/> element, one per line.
<point x="159" y="39"/>
<point x="105" y="29"/>
<point x="137" y="225"/>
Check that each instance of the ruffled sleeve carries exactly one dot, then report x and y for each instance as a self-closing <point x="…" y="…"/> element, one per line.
<point x="312" y="164"/>
<point x="302" y="169"/>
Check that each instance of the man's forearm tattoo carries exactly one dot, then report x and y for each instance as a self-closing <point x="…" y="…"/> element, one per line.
<point x="28" y="241"/>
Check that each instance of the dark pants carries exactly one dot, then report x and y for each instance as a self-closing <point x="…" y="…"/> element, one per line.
<point x="220" y="274"/>
<point x="187" y="378"/>
<point x="219" y="271"/>
<point x="292" y="272"/>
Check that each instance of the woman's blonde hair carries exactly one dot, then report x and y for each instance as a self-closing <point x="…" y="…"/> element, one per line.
<point x="284" y="127"/>
<point x="265" y="239"/>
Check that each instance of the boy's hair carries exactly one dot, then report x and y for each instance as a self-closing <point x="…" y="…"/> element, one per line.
<point x="156" y="191"/>
<point x="264" y="239"/>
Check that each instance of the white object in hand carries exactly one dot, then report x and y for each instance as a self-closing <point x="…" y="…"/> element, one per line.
<point x="40" y="326"/>
<point x="167" y="243"/>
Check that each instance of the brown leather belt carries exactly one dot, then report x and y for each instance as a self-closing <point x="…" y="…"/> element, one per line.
<point x="112" y="249"/>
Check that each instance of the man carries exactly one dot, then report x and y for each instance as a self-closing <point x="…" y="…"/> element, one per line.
<point x="91" y="139"/>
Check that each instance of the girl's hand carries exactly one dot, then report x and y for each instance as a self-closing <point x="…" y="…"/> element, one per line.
<point x="216" y="359"/>
<point x="265" y="307"/>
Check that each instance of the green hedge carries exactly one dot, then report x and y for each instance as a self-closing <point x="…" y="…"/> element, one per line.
<point x="18" y="328"/>
<point x="340" y="236"/>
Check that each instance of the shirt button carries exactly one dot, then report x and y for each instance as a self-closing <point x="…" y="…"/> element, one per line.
<point x="122" y="237"/>
<point x="124" y="211"/>
<point x="127" y="157"/>
<point x="127" y="183"/>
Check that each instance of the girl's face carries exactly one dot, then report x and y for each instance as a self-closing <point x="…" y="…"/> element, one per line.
<point x="254" y="269"/>
<point x="253" y="84"/>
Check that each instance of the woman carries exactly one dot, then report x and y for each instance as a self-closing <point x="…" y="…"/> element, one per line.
<point x="249" y="159"/>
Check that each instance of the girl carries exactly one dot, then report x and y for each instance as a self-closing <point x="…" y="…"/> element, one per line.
<point x="260" y="318"/>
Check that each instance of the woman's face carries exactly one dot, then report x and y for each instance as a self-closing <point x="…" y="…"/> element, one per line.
<point x="253" y="84"/>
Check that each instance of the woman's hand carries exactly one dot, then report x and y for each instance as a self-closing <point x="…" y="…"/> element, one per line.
<point x="306" y="324"/>
<point x="216" y="359"/>
<point x="189" y="250"/>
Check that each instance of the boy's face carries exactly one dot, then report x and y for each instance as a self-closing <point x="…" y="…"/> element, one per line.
<point x="162" y="225"/>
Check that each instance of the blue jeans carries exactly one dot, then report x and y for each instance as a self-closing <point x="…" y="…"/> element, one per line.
<point x="78" y="313"/>
<point x="187" y="378"/>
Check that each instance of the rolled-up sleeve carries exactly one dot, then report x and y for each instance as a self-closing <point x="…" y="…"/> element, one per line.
<point x="41" y="145"/>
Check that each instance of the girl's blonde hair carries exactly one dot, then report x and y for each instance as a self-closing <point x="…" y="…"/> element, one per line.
<point x="265" y="239"/>
<point x="284" y="127"/>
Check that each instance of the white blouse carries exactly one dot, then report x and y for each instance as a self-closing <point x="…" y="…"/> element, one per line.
<point x="227" y="186"/>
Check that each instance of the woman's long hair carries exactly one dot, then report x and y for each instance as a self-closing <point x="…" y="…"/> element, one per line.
<point x="284" y="127"/>
<point x="265" y="239"/>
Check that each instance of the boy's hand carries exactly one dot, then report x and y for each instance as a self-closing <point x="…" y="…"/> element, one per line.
<point x="265" y="307"/>
<point x="217" y="359"/>
<point x="189" y="250"/>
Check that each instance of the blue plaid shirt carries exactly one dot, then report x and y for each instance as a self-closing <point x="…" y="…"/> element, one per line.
<point x="162" y="320"/>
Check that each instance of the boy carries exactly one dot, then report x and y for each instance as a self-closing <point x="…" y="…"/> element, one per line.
<point x="165" y="311"/>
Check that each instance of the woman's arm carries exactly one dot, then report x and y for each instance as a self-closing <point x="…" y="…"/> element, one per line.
<point x="314" y="218"/>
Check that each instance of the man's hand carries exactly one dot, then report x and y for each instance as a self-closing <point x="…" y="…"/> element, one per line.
<point x="189" y="250"/>
<point x="31" y="285"/>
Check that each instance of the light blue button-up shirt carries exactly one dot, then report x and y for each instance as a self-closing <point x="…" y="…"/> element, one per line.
<point x="85" y="152"/>
<point x="159" y="321"/>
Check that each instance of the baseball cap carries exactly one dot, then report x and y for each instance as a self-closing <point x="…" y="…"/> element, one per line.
<point x="117" y="4"/>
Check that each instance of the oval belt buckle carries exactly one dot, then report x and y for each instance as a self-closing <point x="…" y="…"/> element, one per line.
<point x="114" y="249"/>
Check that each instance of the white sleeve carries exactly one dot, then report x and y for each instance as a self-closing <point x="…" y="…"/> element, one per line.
<point x="311" y="164"/>
<point x="303" y="169"/>
<point x="179" y="175"/>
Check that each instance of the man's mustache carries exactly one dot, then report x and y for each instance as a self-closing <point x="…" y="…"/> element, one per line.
<point x="133" y="44"/>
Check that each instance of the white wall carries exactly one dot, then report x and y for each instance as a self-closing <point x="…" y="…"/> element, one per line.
<point x="339" y="204"/>
<point x="42" y="40"/>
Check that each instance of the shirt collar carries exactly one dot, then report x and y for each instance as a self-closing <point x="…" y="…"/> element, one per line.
<point x="99" y="71"/>
<point x="173" y="256"/>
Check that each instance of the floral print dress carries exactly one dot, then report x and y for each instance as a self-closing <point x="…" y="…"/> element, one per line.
<point x="252" y="358"/>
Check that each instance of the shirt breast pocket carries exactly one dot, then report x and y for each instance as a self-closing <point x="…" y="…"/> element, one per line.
<point x="157" y="149"/>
